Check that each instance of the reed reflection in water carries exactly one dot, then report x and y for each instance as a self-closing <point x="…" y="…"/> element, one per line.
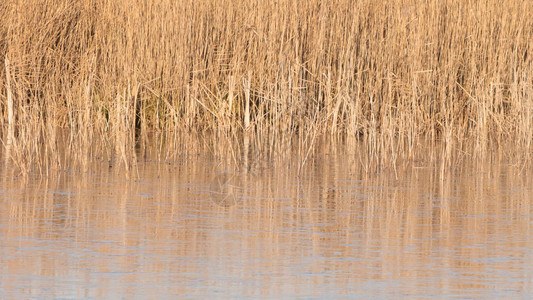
<point x="199" y="228"/>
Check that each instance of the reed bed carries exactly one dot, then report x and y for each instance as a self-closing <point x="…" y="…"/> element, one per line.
<point x="388" y="73"/>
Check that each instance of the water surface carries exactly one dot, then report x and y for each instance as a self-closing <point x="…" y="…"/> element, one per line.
<point x="199" y="227"/>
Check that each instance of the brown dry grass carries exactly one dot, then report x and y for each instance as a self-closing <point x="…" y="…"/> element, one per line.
<point x="390" y="73"/>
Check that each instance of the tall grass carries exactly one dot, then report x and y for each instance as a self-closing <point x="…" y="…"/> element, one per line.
<point x="389" y="72"/>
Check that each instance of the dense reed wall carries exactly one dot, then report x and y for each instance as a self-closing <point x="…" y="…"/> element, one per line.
<point x="389" y="72"/>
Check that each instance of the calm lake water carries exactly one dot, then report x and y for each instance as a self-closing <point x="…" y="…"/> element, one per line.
<point x="198" y="228"/>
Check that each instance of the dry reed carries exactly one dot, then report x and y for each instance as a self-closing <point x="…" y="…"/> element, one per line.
<point x="389" y="73"/>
